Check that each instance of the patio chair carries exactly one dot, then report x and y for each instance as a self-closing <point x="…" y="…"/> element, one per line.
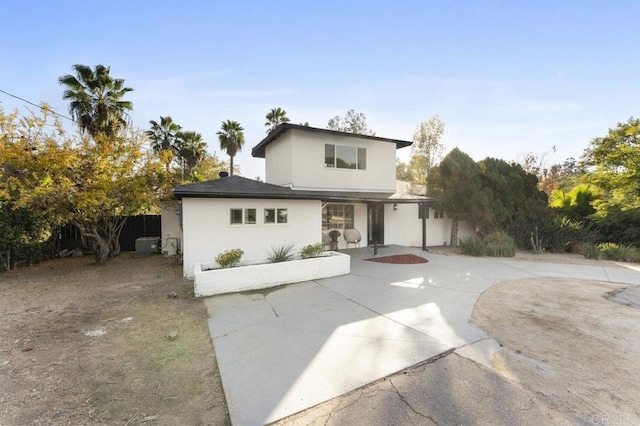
<point x="326" y="240"/>
<point x="352" y="236"/>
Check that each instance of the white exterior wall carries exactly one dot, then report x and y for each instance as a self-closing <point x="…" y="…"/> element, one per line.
<point x="207" y="232"/>
<point x="403" y="227"/>
<point x="171" y="232"/>
<point x="297" y="157"/>
<point x="278" y="161"/>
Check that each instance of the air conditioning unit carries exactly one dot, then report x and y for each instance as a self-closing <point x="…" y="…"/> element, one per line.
<point x="147" y="245"/>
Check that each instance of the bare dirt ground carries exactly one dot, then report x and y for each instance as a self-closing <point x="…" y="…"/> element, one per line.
<point x="83" y="344"/>
<point x="568" y="344"/>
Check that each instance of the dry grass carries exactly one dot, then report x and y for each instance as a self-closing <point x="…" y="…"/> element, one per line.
<point x="123" y="376"/>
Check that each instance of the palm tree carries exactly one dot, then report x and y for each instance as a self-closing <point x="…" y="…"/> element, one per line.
<point x="191" y="148"/>
<point x="231" y="139"/>
<point x="163" y="136"/>
<point x="96" y="99"/>
<point x="275" y="117"/>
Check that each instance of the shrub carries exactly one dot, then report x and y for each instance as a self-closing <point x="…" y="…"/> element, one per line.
<point x="473" y="246"/>
<point x="312" y="250"/>
<point x="229" y="258"/>
<point x="281" y="254"/>
<point x="550" y="233"/>
<point x="622" y="253"/>
<point x="591" y="251"/>
<point x="500" y="244"/>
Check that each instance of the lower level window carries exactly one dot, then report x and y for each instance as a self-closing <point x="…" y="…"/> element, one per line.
<point x="242" y="216"/>
<point x="276" y="215"/>
<point x="337" y="216"/>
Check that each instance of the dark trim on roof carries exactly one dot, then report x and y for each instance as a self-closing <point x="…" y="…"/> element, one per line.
<point x="258" y="150"/>
<point x="240" y="187"/>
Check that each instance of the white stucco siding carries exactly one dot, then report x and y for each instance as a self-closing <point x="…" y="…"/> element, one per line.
<point x="297" y="157"/>
<point x="359" y="223"/>
<point x="403" y="227"/>
<point x="279" y="161"/>
<point x="207" y="230"/>
<point x="171" y="232"/>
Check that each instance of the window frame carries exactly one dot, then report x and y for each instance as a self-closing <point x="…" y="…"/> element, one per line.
<point x="276" y="215"/>
<point x="360" y="162"/>
<point x="245" y="213"/>
<point x="346" y="220"/>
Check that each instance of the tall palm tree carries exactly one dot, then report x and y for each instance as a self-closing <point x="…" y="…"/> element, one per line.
<point x="275" y="117"/>
<point x="96" y="99"/>
<point x="163" y="136"/>
<point x="231" y="138"/>
<point x="191" y="148"/>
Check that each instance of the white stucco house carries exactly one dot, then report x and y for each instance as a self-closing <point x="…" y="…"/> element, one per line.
<point x="316" y="180"/>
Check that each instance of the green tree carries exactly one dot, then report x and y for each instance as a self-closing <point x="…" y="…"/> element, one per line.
<point x="516" y="205"/>
<point x="577" y="204"/>
<point x="613" y="164"/>
<point x="404" y="172"/>
<point x="110" y="185"/>
<point x="93" y="183"/>
<point x="352" y="122"/>
<point x="231" y="138"/>
<point x="95" y="99"/>
<point x="275" y="117"/>
<point x="191" y="149"/>
<point x="208" y="169"/>
<point x="26" y="147"/>
<point x="456" y="183"/>
<point x="163" y="137"/>
<point x="427" y="148"/>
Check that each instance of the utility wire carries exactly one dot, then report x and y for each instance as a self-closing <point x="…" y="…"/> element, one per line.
<point x="37" y="106"/>
<point x="49" y="109"/>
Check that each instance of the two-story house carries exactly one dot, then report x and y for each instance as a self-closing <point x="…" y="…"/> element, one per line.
<point x="316" y="181"/>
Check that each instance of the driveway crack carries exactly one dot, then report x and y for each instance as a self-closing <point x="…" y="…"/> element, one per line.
<point x="271" y="306"/>
<point x="404" y="400"/>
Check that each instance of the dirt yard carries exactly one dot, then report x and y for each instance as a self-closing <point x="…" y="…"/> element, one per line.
<point x="566" y="342"/>
<point x="82" y="344"/>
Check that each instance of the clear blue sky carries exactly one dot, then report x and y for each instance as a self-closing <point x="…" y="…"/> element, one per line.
<point x="506" y="77"/>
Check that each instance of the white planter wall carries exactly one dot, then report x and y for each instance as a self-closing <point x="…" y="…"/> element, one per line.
<point x="254" y="277"/>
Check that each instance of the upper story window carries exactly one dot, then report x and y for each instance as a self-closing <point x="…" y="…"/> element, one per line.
<point x="345" y="157"/>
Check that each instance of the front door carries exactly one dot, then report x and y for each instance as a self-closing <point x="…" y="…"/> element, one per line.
<point x="375" y="221"/>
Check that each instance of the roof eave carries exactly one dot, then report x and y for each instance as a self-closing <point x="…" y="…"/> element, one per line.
<point x="258" y="151"/>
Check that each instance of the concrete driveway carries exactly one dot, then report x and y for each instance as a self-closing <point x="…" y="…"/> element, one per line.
<point x="283" y="350"/>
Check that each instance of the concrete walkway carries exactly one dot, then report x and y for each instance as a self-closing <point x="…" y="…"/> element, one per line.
<point x="283" y="350"/>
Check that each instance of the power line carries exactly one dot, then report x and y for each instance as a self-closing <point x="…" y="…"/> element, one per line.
<point x="41" y="107"/>
<point x="37" y="106"/>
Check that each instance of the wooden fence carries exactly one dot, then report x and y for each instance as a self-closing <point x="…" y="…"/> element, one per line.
<point x="136" y="227"/>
